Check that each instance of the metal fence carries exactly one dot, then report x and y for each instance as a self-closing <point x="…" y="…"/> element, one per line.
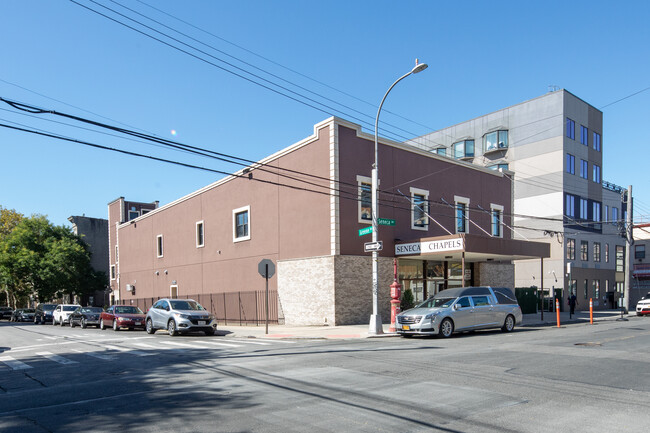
<point x="232" y="307"/>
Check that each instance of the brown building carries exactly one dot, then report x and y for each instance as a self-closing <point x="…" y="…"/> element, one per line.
<point x="303" y="207"/>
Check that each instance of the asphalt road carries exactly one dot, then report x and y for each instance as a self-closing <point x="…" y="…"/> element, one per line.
<point x="575" y="378"/>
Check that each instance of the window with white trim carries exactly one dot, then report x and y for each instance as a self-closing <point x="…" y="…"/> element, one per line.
<point x="113" y="273"/>
<point x="241" y="224"/>
<point x="461" y="214"/>
<point x="200" y="235"/>
<point x="419" y="209"/>
<point x="159" y="245"/>
<point x="365" y="199"/>
<point x="496" y="216"/>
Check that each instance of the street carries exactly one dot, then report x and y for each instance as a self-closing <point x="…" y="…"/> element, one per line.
<point x="575" y="378"/>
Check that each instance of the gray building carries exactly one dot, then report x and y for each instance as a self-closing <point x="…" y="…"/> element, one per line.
<point x="551" y="147"/>
<point x="94" y="231"/>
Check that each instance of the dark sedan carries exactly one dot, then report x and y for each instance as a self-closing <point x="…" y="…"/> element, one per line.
<point x="6" y="313"/>
<point x="23" y="315"/>
<point x="85" y="316"/>
<point x="44" y="313"/>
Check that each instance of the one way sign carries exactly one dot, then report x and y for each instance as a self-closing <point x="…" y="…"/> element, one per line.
<point x="373" y="246"/>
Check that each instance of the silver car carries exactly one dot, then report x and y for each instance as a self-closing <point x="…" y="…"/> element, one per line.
<point x="179" y="316"/>
<point x="461" y="309"/>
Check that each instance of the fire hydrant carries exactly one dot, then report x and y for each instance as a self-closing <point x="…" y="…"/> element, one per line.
<point x="395" y="294"/>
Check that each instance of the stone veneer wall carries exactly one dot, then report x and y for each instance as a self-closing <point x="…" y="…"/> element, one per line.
<point x="306" y="290"/>
<point x="333" y="290"/>
<point x="354" y="289"/>
<point x="496" y="275"/>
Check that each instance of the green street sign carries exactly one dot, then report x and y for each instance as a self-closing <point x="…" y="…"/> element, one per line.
<point x="365" y="231"/>
<point x="386" y="222"/>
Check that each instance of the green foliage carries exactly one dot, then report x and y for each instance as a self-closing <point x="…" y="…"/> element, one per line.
<point x="407" y="302"/>
<point x="46" y="260"/>
<point x="9" y="219"/>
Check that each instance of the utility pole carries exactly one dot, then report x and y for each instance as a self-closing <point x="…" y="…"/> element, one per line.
<point x="628" y="249"/>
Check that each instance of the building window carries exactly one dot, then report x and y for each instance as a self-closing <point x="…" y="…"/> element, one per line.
<point x="464" y="149"/>
<point x="606" y="253"/>
<point x="570" y="129"/>
<point x="639" y="251"/>
<point x="441" y="151"/>
<point x="620" y="258"/>
<point x="584" y="135"/>
<point x="144" y="211"/>
<point x="570" y="206"/>
<point x="614" y="215"/>
<point x="419" y="209"/>
<point x="570" y="249"/>
<point x="200" y="238"/>
<point x="596" y="173"/>
<point x="365" y="199"/>
<point x="113" y="273"/>
<point x="584" y="251"/>
<point x="133" y="214"/>
<point x="583" y="209"/>
<point x="596" y="141"/>
<point x="462" y="214"/>
<point x="495" y="140"/>
<point x="497" y="220"/>
<point x="570" y="164"/>
<point x="586" y="287"/>
<point x="117" y="256"/>
<point x="159" y="245"/>
<point x="584" y="169"/>
<point x="596" y="287"/>
<point x="606" y="216"/>
<point x="596" y="251"/>
<point x="241" y="224"/>
<point x="595" y="208"/>
<point x="498" y="167"/>
<point x="573" y="289"/>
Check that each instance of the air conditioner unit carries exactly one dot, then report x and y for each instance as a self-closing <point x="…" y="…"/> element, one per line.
<point x="129" y="288"/>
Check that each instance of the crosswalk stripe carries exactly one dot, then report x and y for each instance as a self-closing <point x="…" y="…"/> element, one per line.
<point x="252" y="342"/>
<point x="97" y="355"/>
<point x="56" y="358"/>
<point x="131" y="351"/>
<point x="14" y="364"/>
<point x="276" y="341"/>
<point x="216" y="343"/>
<point x="176" y="343"/>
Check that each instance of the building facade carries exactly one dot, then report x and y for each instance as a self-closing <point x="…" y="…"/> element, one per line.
<point x="306" y="208"/>
<point x="551" y="148"/>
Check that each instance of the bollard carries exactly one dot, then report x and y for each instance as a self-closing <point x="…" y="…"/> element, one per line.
<point x="557" y="311"/>
<point x="591" y="311"/>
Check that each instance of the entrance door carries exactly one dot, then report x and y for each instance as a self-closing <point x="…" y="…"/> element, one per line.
<point x="173" y="292"/>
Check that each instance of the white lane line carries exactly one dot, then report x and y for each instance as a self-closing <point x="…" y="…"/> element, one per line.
<point x="35" y="346"/>
<point x="97" y="355"/>
<point x="217" y="343"/>
<point x="131" y="351"/>
<point x="14" y="364"/>
<point x="275" y="341"/>
<point x="56" y="358"/>
<point x="251" y="342"/>
<point x="189" y="346"/>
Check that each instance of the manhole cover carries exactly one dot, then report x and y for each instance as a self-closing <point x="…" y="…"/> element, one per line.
<point x="588" y="344"/>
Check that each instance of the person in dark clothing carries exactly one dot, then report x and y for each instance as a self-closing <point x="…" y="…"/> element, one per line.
<point x="573" y="301"/>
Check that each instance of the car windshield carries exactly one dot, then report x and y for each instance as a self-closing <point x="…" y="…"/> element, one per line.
<point x="91" y="310"/>
<point x="185" y="305"/>
<point x="70" y="307"/>
<point x="437" y="303"/>
<point x="49" y="307"/>
<point x="28" y="310"/>
<point x="128" y="310"/>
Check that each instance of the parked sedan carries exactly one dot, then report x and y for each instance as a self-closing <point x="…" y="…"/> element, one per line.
<point x="85" y="316"/>
<point x="43" y="313"/>
<point x="6" y="312"/>
<point x="180" y="316"/>
<point x="643" y="306"/>
<point x="122" y="316"/>
<point x="23" y="315"/>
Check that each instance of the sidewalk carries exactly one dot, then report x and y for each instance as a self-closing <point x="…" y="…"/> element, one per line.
<point x="361" y="331"/>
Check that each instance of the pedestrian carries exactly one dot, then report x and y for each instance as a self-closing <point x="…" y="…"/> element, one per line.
<point x="573" y="301"/>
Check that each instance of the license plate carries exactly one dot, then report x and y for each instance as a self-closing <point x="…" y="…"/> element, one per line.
<point x="138" y="323"/>
<point x="406" y="328"/>
<point x="201" y="322"/>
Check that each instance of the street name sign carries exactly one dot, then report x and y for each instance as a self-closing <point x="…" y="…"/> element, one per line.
<point x="365" y="231"/>
<point x="373" y="246"/>
<point x="386" y="222"/>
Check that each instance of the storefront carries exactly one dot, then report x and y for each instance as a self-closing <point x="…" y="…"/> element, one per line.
<point x="430" y="265"/>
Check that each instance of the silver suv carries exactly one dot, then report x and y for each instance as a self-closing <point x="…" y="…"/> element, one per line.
<point x="179" y="316"/>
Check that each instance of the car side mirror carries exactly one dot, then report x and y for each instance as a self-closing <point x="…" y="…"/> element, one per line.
<point x="455" y="307"/>
<point x="166" y="308"/>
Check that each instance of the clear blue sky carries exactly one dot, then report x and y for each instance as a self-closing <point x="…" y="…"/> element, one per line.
<point x="482" y="56"/>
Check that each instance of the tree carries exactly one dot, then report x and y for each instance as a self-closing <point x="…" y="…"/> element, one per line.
<point x="49" y="261"/>
<point x="9" y="219"/>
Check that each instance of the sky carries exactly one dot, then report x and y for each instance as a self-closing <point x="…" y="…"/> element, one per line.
<point x="249" y="78"/>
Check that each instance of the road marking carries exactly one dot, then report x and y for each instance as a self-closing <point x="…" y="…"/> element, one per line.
<point x="14" y="364"/>
<point x="97" y="355"/>
<point x="252" y="342"/>
<point x="217" y="343"/>
<point x="189" y="346"/>
<point x="276" y="341"/>
<point x="123" y="349"/>
<point x="56" y="358"/>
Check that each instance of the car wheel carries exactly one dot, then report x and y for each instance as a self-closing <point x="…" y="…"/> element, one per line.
<point x="115" y="327"/>
<point x="149" y="327"/>
<point x="209" y="332"/>
<point x="102" y="326"/>
<point x="71" y="323"/>
<point x="171" y="328"/>
<point x="83" y="324"/>
<point x="446" y="328"/>
<point x="53" y="321"/>
<point x="62" y="322"/>
<point x="509" y="324"/>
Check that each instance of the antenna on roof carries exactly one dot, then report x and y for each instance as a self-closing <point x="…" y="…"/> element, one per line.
<point x="553" y="88"/>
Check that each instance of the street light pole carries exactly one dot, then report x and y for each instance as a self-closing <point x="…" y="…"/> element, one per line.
<point x="375" y="326"/>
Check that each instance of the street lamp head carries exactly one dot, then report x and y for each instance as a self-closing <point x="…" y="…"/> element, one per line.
<point x="419" y="67"/>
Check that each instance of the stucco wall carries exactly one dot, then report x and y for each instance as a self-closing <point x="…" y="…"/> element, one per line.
<point x="496" y="275"/>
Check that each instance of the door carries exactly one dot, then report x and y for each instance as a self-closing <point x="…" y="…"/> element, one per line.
<point x="463" y="314"/>
<point x="485" y="314"/>
<point x="173" y="292"/>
